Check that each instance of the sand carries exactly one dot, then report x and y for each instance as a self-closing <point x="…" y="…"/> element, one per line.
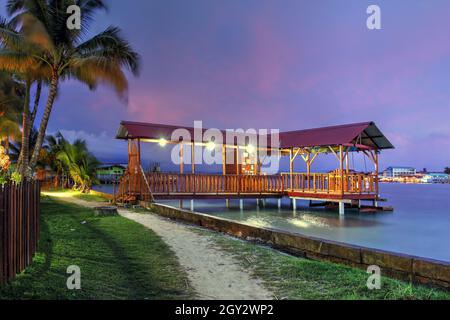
<point x="213" y="273"/>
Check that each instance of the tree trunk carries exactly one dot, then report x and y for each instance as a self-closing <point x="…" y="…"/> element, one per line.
<point x="37" y="99"/>
<point x="7" y="146"/>
<point x="53" y="90"/>
<point x="25" y="150"/>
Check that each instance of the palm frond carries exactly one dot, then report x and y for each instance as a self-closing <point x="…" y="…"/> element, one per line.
<point x="9" y="37"/>
<point x="110" y="44"/>
<point x="35" y="33"/>
<point x="94" y="71"/>
<point x="16" y="62"/>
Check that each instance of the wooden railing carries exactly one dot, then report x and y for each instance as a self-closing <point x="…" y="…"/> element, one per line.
<point x="133" y="186"/>
<point x="352" y="183"/>
<point x="163" y="183"/>
<point x="144" y="187"/>
<point x="19" y="227"/>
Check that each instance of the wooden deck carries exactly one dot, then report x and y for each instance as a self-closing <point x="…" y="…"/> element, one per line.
<point x="316" y="186"/>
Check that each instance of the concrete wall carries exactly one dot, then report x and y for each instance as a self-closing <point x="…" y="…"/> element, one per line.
<point x="405" y="267"/>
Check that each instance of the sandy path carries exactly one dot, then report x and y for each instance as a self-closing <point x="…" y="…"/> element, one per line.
<point x="213" y="273"/>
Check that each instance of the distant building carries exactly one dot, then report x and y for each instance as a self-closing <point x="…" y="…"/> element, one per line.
<point x="108" y="173"/>
<point x="436" y="178"/>
<point x="398" y="172"/>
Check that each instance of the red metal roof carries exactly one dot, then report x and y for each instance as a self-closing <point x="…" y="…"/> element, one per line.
<point x="366" y="134"/>
<point x="348" y="134"/>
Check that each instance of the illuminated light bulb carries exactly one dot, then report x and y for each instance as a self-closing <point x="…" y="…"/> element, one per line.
<point x="250" y="148"/>
<point x="211" y="146"/>
<point x="162" y="142"/>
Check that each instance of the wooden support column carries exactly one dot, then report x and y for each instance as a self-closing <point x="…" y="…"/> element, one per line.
<point x="341" y="167"/>
<point x="291" y="167"/>
<point x="193" y="158"/>
<point x="347" y="162"/>
<point x="129" y="152"/>
<point x="377" y="172"/>
<point x="309" y="161"/>
<point x="224" y="160"/>
<point x="181" y="158"/>
<point x="308" y="170"/>
<point x="238" y="171"/>
<point x="139" y="152"/>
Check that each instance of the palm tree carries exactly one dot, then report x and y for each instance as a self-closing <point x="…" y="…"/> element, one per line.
<point x="54" y="144"/>
<point x="16" y="147"/>
<point x="80" y="163"/>
<point x="11" y="96"/>
<point x="16" y="48"/>
<point x="101" y="59"/>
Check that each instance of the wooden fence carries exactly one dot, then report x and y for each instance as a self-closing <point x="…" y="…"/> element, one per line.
<point x="19" y="227"/>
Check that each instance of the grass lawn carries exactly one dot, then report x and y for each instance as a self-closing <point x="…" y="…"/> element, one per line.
<point x="119" y="259"/>
<point x="90" y="197"/>
<point x="295" y="278"/>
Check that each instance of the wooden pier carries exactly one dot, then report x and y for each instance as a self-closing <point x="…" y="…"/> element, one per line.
<point x="342" y="185"/>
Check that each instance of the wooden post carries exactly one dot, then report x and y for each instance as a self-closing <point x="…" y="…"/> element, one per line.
<point x="193" y="158"/>
<point x="291" y="167"/>
<point x="139" y="152"/>
<point x="181" y="158"/>
<point x="347" y="162"/>
<point x="224" y="160"/>
<point x="237" y="161"/>
<point x="129" y="153"/>
<point x="377" y="172"/>
<point x="308" y="170"/>
<point x="341" y="167"/>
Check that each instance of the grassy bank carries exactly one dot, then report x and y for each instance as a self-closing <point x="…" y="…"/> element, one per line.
<point x="119" y="259"/>
<point x="295" y="278"/>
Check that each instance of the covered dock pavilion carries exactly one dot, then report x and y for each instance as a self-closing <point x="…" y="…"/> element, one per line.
<point x="243" y="178"/>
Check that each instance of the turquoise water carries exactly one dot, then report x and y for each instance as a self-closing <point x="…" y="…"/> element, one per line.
<point x="420" y="224"/>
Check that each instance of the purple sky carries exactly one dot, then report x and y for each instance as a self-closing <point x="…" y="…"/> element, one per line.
<point x="278" y="64"/>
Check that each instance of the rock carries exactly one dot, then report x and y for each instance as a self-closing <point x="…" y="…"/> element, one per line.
<point x="106" y="211"/>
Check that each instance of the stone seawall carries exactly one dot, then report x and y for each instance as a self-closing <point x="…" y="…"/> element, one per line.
<point x="400" y="266"/>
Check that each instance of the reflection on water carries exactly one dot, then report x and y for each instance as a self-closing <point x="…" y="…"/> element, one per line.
<point x="419" y="225"/>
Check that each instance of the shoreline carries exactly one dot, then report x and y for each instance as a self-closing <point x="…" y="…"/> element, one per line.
<point x="397" y="265"/>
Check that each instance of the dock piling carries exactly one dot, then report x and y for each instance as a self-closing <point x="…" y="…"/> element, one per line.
<point x="341" y="208"/>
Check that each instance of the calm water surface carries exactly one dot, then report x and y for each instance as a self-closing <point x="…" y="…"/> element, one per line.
<point x="420" y="224"/>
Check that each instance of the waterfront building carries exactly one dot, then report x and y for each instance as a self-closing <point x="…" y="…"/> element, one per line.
<point x="436" y="178"/>
<point x="398" y="172"/>
<point x="109" y="173"/>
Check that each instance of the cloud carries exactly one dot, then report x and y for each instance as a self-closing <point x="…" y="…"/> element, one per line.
<point x="103" y="146"/>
